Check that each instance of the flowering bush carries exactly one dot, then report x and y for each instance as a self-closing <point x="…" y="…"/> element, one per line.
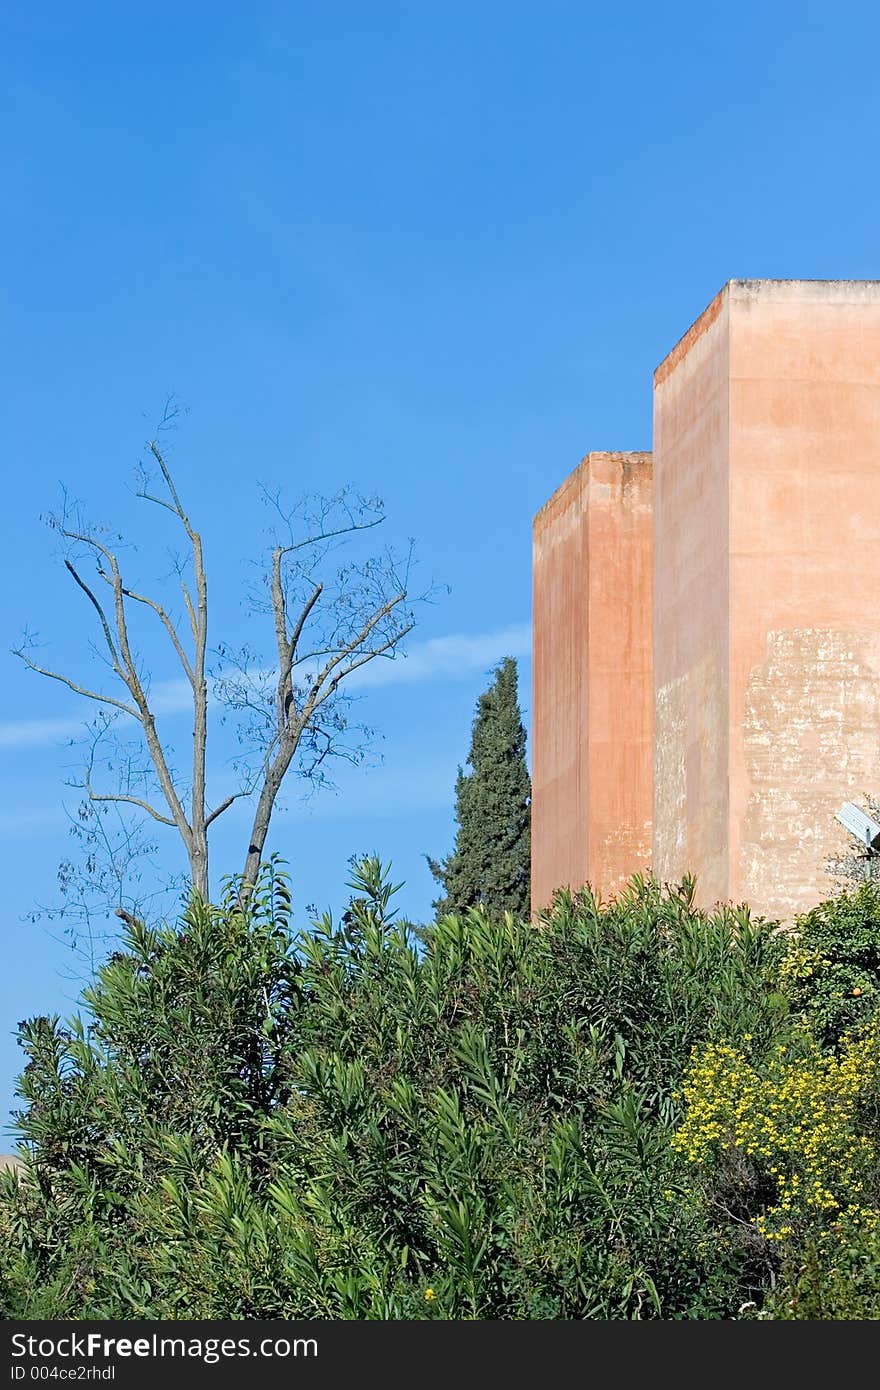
<point x="804" y="1124"/>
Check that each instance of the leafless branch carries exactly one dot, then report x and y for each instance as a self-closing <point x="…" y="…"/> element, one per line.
<point x="353" y="646"/>
<point x="303" y="619"/>
<point x="99" y="610"/>
<point x="386" y="647"/>
<point x="131" y="801"/>
<point x="159" y="501"/>
<point x="338" y="531"/>
<point x="169" y="483"/>
<point x="224" y="806"/>
<point x="74" y="686"/>
<point x="169" y="628"/>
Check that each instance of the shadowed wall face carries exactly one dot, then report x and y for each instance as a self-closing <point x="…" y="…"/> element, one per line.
<point x="691" y="603"/>
<point x="592" y="684"/>
<point x="766" y="640"/>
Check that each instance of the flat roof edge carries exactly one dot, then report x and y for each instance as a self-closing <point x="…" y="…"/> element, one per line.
<point x="835" y="291"/>
<point x="576" y="474"/>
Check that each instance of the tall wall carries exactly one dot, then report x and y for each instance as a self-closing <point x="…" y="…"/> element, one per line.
<point x="560" y="625"/>
<point x="592" y="687"/>
<point x="691" y="605"/>
<point x="766" y="636"/>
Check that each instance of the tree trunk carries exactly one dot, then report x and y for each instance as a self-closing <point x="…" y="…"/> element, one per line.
<point x="199" y="862"/>
<point x="263" y="815"/>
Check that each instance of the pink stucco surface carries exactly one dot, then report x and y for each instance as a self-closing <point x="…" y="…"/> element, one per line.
<point x="766" y="636"/>
<point x="740" y="681"/>
<point x="592" y="688"/>
<point x="691" y="605"/>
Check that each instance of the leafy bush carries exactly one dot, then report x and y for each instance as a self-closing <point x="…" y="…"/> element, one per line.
<point x="786" y="1140"/>
<point x="338" y="1124"/>
<point x="803" y="1124"/>
<point x="833" y="1277"/>
<point x="830" y="965"/>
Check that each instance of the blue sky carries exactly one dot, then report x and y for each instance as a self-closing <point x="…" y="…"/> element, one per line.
<point x="436" y="250"/>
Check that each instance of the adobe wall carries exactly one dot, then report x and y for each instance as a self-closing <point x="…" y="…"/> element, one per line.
<point x="804" y="546"/>
<point x="766" y="638"/>
<point x="763" y="685"/>
<point x="691" y="606"/>
<point x="560" y="762"/>
<point x="591" y="696"/>
<point x="619" y="680"/>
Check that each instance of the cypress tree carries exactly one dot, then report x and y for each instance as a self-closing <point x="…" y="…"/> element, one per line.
<point x="489" y="865"/>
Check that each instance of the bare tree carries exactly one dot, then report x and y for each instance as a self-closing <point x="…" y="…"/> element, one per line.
<point x="291" y="714"/>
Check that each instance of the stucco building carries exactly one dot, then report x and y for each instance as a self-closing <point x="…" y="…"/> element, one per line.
<point x="592" y="699"/>
<point x="724" y="743"/>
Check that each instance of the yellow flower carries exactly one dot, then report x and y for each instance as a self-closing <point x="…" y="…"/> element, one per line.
<point x="430" y="1295"/>
<point x="801" y="1114"/>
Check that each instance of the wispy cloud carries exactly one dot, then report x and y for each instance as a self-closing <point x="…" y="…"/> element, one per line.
<point x="21" y="824"/>
<point x="171" y="697"/>
<point x="376" y="794"/>
<point x="455" y="657"/>
<point x="447" y="658"/>
<point x="166" y="697"/>
<point x="37" y="733"/>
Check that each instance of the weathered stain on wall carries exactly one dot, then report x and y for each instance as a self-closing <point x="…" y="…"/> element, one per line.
<point x="804" y="462"/>
<point x="690" y="775"/>
<point x="670" y="778"/>
<point x="591" y="706"/>
<point x="619" y="854"/>
<point x="812" y="740"/>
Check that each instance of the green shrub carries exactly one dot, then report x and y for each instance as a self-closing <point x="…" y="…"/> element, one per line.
<point x="338" y="1124"/>
<point x="834" y="1277"/>
<point x="830" y="965"/>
